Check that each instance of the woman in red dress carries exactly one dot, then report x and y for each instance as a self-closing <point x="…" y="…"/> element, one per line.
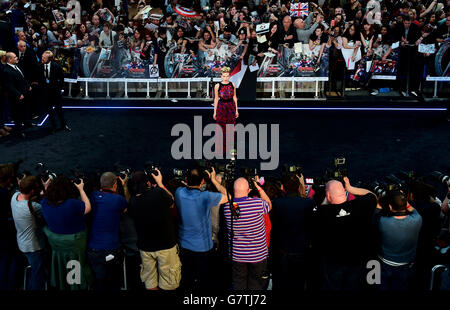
<point x="225" y="103"/>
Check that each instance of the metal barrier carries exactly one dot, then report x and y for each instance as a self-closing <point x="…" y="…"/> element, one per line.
<point x="435" y="268"/>
<point x="203" y="81"/>
<point x="437" y="79"/>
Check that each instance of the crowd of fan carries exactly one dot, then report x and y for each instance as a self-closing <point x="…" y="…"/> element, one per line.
<point x="182" y="233"/>
<point x="367" y="26"/>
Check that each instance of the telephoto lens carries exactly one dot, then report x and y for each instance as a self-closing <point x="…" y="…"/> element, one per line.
<point x="441" y="177"/>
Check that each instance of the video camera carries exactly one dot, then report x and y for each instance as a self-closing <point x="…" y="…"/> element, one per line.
<point x="338" y="172"/>
<point x="292" y="168"/>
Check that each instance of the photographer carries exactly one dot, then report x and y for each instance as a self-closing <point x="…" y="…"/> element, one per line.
<point x="291" y="220"/>
<point x="249" y="250"/>
<point x="9" y="253"/>
<point x="104" y="250"/>
<point x="194" y="228"/>
<point x="343" y="235"/>
<point x="29" y="235"/>
<point x="422" y="198"/>
<point x="66" y="229"/>
<point x="398" y="227"/>
<point x="150" y="208"/>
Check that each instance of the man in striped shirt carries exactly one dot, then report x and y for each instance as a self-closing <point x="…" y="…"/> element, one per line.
<point x="249" y="246"/>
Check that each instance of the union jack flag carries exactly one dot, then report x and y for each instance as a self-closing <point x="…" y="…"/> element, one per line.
<point x="299" y="9"/>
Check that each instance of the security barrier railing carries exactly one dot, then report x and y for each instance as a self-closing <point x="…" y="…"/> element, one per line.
<point x="164" y="86"/>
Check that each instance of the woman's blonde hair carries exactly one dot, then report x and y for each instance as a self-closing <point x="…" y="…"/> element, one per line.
<point x="226" y="70"/>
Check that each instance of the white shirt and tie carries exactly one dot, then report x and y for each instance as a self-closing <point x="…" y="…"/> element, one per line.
<point x="47" y="70"/>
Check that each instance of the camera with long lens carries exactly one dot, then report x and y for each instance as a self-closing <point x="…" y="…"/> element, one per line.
<point x="381" y="189"/>
<point x="151" y="168"/>
<point x="77" y="176"/>
<point x="441" y="177"/>
<point x="44" y="173"/>
<point x="396" y="183"/>
<point x="389" y="199"/>
<point x="204" y="164"/>
<point x="250" y="175"/>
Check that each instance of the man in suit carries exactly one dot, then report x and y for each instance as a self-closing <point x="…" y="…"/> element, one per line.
<point x="51" y="80"/>
<point x="407" y="33"/>
<point x="28" y="63"/>
<point x="18" y="90"/>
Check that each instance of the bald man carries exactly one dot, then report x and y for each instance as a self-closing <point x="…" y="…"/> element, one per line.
<point x="287" y="32"/>
<point x="345" y="235"/>
<point x="249" y="245"/>
<point x="18" y="90"/>
<point x="304" y="29"/>
<point x="27" y="61"/>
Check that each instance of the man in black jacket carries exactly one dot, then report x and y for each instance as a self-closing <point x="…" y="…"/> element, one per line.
<point x="28" y="63"/>
<point x="18" y="89"/>
<point x="51" y="80"/>
<point x="407" y="34"/>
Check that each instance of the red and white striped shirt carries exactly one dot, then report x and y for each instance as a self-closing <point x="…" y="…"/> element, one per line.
<point x="249" y="242"/>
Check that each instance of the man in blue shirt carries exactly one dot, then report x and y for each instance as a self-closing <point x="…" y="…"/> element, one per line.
<point x="399" y="233"/>
<point x="104" y="252"/>
<point x="194" y="229"/>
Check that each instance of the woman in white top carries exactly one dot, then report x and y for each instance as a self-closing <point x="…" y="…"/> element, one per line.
<point x="107" y="37"/>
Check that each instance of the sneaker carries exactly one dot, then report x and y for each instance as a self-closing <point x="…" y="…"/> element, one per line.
<point x="415" y="94"/>
<point x="375" y="92"/>
<point x="404" y="94"/>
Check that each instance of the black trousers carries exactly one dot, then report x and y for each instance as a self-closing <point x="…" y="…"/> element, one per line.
<point x="108" y="274"/>
<point x="54" y="107"/>
<point x="250" y="276"/>
<point x="290" y="271"/>
<point x="19" y="113"/>
<point x="195" y="269"/>
<point x="409" y="68"/>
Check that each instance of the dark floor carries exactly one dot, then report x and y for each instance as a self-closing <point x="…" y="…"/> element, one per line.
<point x="375" y="143"/>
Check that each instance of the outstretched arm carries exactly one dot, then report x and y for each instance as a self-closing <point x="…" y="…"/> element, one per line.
<point x="216" y="99"/>
<point x="235" y="100"/>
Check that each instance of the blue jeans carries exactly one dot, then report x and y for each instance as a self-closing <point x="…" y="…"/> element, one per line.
<point x="108" y="274"/>
<point x="396" y="278"/>
<point x="38" y="275"/>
